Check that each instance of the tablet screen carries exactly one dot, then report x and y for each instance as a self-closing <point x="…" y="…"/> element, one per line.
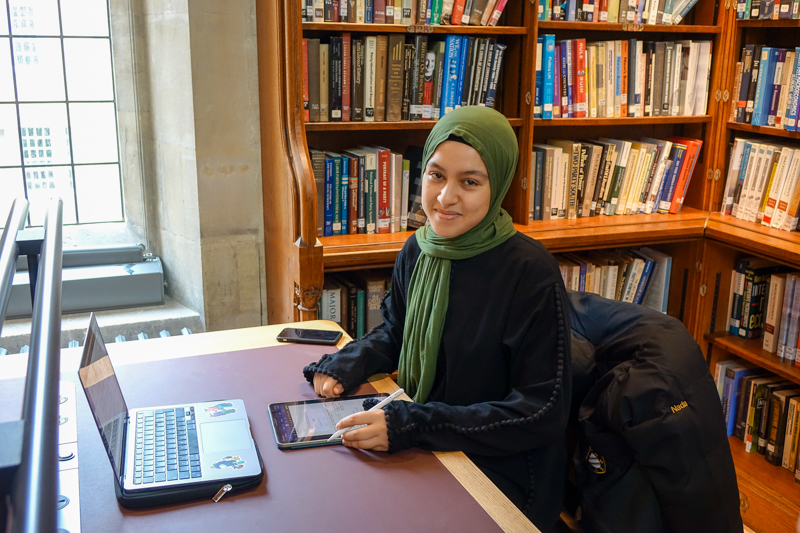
<point x="312" y="420"/>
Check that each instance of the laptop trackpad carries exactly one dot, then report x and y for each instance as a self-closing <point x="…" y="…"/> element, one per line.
<point x="225" y="436"/>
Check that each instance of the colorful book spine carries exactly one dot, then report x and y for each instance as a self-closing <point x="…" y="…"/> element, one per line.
<point x="548" y="75"/>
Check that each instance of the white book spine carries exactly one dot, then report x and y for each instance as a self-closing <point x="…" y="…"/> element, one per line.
<point x="760" y="185"/>
<point x="784" y="162"/>
<point x="789" y="185"/>
<point x="370" y="63"/>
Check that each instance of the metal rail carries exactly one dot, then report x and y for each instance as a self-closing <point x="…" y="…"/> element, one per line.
<point x="34" y="492"/>
<point x="9" y="252"/>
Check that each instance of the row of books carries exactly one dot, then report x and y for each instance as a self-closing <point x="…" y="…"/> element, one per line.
<point x="432" y="12"/>
<point x="761" y="409"/>
<point x="353" y="299"/>
<point x="764" y="302"/>
<point x="763" y="184"/>
<point x="383" y="78"/>
<point x="616" y="11"/>
<point x="367" y="190"/>
<point x="767" y="87"/>
<point x="574" y="179"/>
<point x="622" y="78"/>
<point x="635" y="276"/>
<point x="767" y="9"/>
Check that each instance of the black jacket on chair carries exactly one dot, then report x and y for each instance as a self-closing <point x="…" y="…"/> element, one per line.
<point x="652" y="453"/>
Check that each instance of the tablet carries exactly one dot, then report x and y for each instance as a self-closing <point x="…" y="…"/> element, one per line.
<point x="310" y="423"/>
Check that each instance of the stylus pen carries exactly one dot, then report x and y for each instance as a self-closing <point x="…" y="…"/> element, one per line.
<point x="378" y="405"/>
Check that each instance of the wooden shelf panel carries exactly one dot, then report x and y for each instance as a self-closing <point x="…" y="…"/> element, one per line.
<point x="639" y="28"/>
<point x="780" y="23"/>
<point x="401" y="125"/>
<point x="414" y="28"/>
<point x="366" y="251"/>
<point x="751" y="350"/>
<point x="771" y="492"/>
<point x="622" y="121"/>
<point x="782" y="246"/>
<point x="764" y="130"/>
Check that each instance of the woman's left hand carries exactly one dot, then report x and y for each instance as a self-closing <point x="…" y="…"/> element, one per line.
<point x="374" y="436"/>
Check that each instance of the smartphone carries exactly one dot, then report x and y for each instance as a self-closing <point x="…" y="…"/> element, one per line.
<point x="310" y="336"/>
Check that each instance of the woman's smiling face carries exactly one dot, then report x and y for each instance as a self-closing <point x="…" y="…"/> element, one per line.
<point x="455" y="189"/>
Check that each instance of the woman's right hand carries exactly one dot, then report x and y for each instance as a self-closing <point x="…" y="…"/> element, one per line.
<point x="326" y="386"/>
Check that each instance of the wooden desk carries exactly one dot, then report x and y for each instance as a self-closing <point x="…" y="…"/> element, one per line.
<point x="169" y="349"/>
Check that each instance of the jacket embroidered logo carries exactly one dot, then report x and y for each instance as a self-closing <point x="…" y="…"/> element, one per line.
<point x="597" y="462"/>
<point x="682" y="405"/>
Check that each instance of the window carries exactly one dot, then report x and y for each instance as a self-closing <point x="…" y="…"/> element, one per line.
<point x="58" y="116"/>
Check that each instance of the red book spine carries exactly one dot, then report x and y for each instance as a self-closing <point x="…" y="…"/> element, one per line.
<point x="384" y="195"/>
<point x="689" y="160"/>
<point x="427" y="100"/>
<point x="458" y="12"/>
<point x="346" y="77"/>
<point x="623" y="98"/>
<point x="579" y="77"/>
<point x="335" y="17"/>
<point x="379" y="12"/>
<point x="602" y="15"/>
<point x="306" y="110"/>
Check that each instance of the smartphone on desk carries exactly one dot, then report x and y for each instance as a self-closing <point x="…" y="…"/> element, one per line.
<point x="310" y="336"/>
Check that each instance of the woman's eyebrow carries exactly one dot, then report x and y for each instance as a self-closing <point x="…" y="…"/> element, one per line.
<point x="473" y="172"/>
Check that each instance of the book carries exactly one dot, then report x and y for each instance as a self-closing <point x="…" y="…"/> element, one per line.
<point x="786" y="307"/>
<point x="773" y="315"/>
<point x="381" y="60"/>
<point x="370" y="77"/>
<point x="394" y="79"/>
<point x="418" y="77"/>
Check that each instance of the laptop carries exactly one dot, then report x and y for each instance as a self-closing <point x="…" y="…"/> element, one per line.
<point x="167" y="453"/>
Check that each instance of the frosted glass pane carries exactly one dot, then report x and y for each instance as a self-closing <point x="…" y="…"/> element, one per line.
<point x="87" y="18"/>
<point x="94" y="133"/>
<point x="99" y="193"/>
<point x="9" y="136"/>
<point x="3" y="31"/>
<point x="11" y="187"/>
<point x="6" y="77"/>
<point x="88" y="69"/>
<point x="45" y="136"/>
<point x="40" y="73"/>
<point x="49" y="182"/>
<point x="34" y="17"/>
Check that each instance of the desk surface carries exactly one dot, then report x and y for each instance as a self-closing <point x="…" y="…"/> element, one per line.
<point x="313" y="504"/>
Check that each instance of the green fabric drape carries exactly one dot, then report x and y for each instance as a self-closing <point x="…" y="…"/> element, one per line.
<point x="489" y="133"/>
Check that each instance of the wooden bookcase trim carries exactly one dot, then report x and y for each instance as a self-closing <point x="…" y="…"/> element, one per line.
<point x="780" y="23"/>
<point x="621" y="121"/>
<point x="752" y="350"/>
<point x="629" y="28"/>
<point x="365" y="251"/>
<point x="414" y="28"/>
<point x="764" y="130"/>
<point x="782" y="246"/>
<point x="400" y="125"/>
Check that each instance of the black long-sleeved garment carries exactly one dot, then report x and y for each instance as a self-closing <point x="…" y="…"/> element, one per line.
<point x="502" y="387"/>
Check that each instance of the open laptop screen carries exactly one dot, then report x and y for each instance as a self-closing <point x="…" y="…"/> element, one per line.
<point x="104" y="395"/>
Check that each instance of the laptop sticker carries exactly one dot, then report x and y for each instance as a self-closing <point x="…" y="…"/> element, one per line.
<point x="221" y="409"/>
<point x="233" y="462"/>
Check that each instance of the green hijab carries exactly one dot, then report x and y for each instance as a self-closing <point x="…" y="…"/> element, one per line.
<point x="488" y="132"/>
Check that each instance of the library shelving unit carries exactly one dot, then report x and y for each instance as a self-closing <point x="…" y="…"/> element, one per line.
<point x="770" y="498"/>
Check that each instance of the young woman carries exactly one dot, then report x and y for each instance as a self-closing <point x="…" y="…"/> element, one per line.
<point x="476" y="324"/>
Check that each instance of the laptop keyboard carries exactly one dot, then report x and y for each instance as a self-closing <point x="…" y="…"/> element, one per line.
<point x="166" y="446"/>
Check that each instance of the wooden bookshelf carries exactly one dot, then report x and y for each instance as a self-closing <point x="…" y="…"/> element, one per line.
<point x="780" y="23"/>
<point x="628" y="28"/>
<point x="345" y="252"/>
<point x="763" y="130"/>
<point x="402" y="125"/>
<point x="751" y="351"/>
<point x="621" y="121"/>
<point x="779" y="245"/>
<point x="414" y="28"/>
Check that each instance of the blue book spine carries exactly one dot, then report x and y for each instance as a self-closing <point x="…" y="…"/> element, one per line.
<point x="745" y="157"/>
<point x="494" y="74"/>
<point x="618" y="84"/>
<point x="337" y="193"/>
<point x="368" y="11"/>
<point x="639" y="15"/>
<point x="344" y="185"/>
<point x="582" y="282"/>
<point x="451" y="54"/>
<point x="542" y="9"/>
<point x="730" y="411"/>
<point x="566" y="111"/>
<point x="537" y="87"/>
<point x="329" y="186"/>
<point x="568" y="59"/>
<point x="685" y="11"/>
<point x="462" y="66"/>
<point x="548" y="75"/>
<point x="766" y="71"/>
<point x="429" y="11"/>
<point x="571" y="7"/>
<point x="537" y="186"/>
<point x="678" y="153"/>
<point x="791" y="107"/>
<point x="648" y="268"/>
